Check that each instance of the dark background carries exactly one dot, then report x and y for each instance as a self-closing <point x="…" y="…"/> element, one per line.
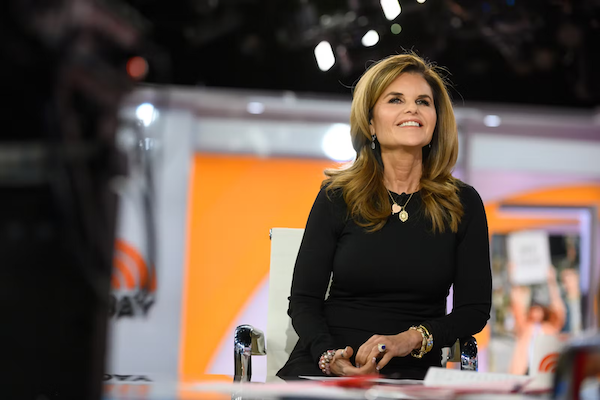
<point x="509" y="51"/>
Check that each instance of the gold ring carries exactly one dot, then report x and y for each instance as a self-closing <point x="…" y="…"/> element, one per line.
<point x="381" y="347"/>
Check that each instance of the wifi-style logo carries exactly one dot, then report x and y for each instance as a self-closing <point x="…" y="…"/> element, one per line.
<point x="130" y="270"/>
<point x="548" y="363"/>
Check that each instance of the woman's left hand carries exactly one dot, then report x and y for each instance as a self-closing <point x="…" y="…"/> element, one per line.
<point x="399" y="345"/>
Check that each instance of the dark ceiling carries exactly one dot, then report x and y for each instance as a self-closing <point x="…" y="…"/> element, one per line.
<point x="510" y="51"/>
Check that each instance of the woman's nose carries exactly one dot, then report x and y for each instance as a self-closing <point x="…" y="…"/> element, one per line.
<point x="411" y="108"/>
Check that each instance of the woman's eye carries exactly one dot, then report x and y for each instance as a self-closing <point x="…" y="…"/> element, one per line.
<point x="420" y="102"/>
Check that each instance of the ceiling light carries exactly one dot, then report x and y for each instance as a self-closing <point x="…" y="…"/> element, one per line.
<point x="324" y="56"/>
<point x="420" y="1"/>
<point x="391" y="9"/>
<point x="370" y="39"/>
<point x="326" y="20"/>
<point x="362" y="20"/>
<point x="396" y="29"/>
<point x="137" y="67"/>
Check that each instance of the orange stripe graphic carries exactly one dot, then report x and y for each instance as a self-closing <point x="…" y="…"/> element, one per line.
<point x="130" y="263"/>
<point x="153" y="281"/>
<point x="136" y="258"/>
<point x="127" y="275"/>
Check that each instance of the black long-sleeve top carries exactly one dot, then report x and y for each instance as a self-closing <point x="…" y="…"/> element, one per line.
<point x="386" y="281"/>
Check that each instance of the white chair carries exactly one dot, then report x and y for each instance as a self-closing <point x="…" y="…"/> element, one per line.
<point x="281" y="336"/>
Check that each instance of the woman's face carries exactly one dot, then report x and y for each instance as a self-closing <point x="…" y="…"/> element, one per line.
<point x="536" y="313"/>
<point x="404" y="115"/>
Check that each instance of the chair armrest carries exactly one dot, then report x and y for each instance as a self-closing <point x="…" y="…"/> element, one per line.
<point x="247" y="342"/>
<point x="464" y="351"/>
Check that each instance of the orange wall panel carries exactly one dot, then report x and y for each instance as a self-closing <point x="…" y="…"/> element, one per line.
<point x="234" y="202"/>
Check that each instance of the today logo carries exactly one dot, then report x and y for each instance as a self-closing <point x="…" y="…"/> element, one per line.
<point x="548" y="363"/>
<point x="133" y="283"/>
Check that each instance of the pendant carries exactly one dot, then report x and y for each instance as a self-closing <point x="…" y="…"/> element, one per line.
<point x="403" y="216"/>
<point x="396" y="208"/>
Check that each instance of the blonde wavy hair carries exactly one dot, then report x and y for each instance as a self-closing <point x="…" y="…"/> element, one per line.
<point x="362" y="182"/>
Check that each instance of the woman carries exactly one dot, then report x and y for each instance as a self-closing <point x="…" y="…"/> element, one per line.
<point x="534" y="319"/>
<point x="396" y="230"/>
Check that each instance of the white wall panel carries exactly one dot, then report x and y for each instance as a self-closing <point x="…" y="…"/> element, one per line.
<point x="528" y="154"/>
<point x="147" y="344"/>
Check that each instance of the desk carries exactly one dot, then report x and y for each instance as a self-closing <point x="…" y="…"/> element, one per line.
<point x="220" y="389"/>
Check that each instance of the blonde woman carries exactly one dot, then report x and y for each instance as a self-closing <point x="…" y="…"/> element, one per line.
<point x="396" y="230"/>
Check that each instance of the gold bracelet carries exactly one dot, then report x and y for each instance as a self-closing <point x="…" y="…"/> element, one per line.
<point x="426" y="342"/>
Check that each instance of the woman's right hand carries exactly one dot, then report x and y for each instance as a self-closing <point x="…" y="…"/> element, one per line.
<point x="340" y="365"/>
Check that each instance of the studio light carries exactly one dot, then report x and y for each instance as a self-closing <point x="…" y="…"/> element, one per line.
<point x="391" y="9"/>
<point x="492" y="121"/>
<point x="337" y="143"/>
<point x="324" y="56"/>
<point x="370" y="39"/>
<point x="255" y="107"/>
<point x="146" y="113"/>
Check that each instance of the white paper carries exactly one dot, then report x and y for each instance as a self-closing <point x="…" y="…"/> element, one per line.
<point x="374" y="380"/>
<point x="486" y="382"/>
<point x="437" y="376"/>
<point x="529" y="254"/>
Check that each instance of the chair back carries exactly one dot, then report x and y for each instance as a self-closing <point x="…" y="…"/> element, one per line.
<point x="281" y="336"/>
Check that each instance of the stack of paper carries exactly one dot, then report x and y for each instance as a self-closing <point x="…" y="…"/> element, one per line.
<point x="487" y="382"/>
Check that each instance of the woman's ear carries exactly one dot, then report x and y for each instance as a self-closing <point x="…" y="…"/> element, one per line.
<point x="371" y="127"/>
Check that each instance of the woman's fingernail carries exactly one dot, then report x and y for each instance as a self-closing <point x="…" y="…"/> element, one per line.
<point x="357" y="365"/>
<point x="374" y="360"/>
<point x="377" y="368"/>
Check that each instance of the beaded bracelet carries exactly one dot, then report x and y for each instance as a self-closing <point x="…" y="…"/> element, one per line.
<point x="426" y="342"/>
<point x="324" y="361"/>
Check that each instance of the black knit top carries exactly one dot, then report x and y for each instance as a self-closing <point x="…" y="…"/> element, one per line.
<point x="386" y="281"/>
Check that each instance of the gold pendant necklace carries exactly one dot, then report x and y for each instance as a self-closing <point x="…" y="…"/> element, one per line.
<point x="401" y="209"/>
